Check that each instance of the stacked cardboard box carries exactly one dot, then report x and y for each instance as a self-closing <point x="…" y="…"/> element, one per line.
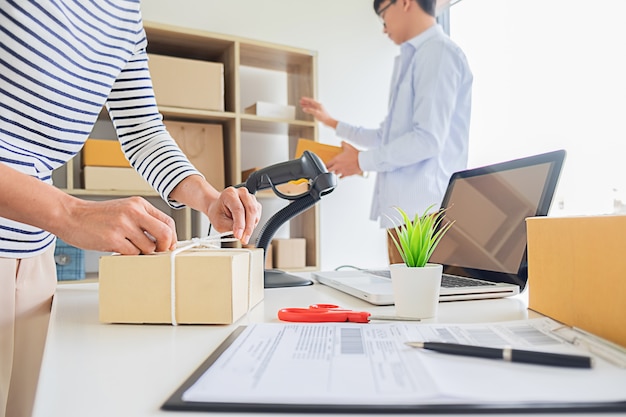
<point x="106" y="168"/>
<point x="289" y="253"/>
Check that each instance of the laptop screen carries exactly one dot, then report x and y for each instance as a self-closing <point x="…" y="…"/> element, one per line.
<point x="489" y="206"/>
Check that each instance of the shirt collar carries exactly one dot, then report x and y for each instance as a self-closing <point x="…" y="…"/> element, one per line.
<point x="416" y="42"/>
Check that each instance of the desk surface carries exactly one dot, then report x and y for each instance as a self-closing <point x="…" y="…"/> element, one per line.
<point x="93" y="369"/>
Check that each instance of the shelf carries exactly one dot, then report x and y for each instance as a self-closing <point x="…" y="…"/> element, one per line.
<point x="111" y="193"/>
<point x="240" y="58"/>
<point x="195" y="114"/>
<point x="259" y="124"/>
<point x="274" y="57"/>
<point x="188" y="43"/>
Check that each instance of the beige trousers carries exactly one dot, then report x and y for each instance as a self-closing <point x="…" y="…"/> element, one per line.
<point x="26" y="289"/>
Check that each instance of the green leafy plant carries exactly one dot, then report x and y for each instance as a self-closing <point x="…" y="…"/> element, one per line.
<point x="417" y="239"/>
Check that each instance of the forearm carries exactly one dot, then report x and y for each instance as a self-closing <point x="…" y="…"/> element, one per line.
<point x="332" y="123"/>
<point x="195" y="192"/>
<point x="28" y="200"/>
<point x="233" y="209"/>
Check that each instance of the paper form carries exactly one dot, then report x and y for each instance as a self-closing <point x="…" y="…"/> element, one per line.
<point x="348" y="363"/>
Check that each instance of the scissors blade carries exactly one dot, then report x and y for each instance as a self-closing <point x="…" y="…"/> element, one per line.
<point x="395" y="318"/>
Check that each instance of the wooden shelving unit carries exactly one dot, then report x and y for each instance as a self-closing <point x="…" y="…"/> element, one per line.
<point x="298" y="66"/>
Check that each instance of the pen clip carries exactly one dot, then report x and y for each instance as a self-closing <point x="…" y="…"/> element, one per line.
<point x="604" y="349"/>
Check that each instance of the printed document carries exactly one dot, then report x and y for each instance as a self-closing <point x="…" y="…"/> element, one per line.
<point x="349" y="363"/>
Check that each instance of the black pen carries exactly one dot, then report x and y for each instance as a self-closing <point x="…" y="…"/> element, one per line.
<point x="508" y="354"/>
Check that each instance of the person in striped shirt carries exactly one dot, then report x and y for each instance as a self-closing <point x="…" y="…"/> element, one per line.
<point x="61" y="61"/>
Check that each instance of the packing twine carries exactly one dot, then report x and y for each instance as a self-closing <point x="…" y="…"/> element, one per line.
<point x="209" y="242"/>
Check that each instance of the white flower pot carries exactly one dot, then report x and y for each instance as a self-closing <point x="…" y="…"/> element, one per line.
<point x="416" y="290"/>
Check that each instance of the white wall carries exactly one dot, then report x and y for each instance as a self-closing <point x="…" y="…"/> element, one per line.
<point x="354" y="70"/>
<point x="550" y="75"/>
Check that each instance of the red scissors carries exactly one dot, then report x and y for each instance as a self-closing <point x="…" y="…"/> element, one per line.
<point x="323" y="313"/>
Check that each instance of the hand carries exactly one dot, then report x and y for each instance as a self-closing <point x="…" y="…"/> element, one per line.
<point x="346" y="163"/>
<point x="316" y="109"/>
<point x="129" y="226"/>
<point x="237" y="210"/>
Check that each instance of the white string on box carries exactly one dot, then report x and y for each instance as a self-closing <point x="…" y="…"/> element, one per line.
<point x="209" y="242"/>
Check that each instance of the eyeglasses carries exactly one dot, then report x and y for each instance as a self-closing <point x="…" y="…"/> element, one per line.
<point x="382" y="11"/>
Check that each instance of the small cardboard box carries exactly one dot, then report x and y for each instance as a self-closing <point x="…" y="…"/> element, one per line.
<point x="203" y="143"/>
<point x="576" y="268"/>
<point x="187" y="83"/>
<point x="273" y="110"/>
<point x="104" y="153"/>
<point x="289" y="253"/>
<point x="324" y="151"/>
<point x="114" y="178"/>
<point x="247" y="172"/>
<point x="212" y="286"/>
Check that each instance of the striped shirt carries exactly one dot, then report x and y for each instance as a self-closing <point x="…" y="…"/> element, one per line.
<point x="61" y="61"/>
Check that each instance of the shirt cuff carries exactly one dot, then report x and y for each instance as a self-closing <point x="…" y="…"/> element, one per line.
<point x="342" y="130"/>
<point x="366" y="161"/>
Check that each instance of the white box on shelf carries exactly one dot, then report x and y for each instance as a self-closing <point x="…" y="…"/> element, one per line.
<point x="278" y="111"/>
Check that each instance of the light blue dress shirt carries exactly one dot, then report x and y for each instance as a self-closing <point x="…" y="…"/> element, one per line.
<point x="425" y="137"/>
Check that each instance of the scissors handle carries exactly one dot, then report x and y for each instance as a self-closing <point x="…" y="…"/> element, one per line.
<point x="319" y="315"/>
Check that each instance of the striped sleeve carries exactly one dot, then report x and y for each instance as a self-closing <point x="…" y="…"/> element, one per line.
<point x="139" y="125"/>
<point x="60" y="62"/>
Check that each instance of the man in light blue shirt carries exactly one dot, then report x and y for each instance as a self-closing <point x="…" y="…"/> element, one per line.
<point x="424" y="138"/>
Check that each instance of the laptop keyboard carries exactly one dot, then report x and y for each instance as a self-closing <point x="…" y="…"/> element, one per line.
<point x="447" y="281"/>
<point x="453" y="281"/>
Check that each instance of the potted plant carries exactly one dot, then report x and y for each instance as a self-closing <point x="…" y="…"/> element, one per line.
<point x="416" y="282"/>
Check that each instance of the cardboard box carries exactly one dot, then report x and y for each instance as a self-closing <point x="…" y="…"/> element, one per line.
<point x="273" y="110"/>
<point x="187" y="83"/>
<point x="203" y="143"/>
<point x="576" y="268"/>
<point x="247" y="172"/>
<point x="104" y="153"/>
<point x="289" y="253"/>
<point x="325" y="152"/>
<point x="114" y="178"/>
<point x="213" y="286"/>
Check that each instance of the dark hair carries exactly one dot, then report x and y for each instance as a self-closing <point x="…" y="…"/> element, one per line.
<point x="428" y="6"/>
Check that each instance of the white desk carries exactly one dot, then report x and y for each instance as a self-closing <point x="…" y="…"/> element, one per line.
<point x="93" y="369"/>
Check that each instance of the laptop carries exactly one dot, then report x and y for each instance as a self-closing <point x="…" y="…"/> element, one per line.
<point x="484" y="253"/>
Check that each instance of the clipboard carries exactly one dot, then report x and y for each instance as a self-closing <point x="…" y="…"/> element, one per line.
<point x="178" y="403"/>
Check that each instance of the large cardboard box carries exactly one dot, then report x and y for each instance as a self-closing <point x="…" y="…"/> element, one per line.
<point x="324" y="151"/>
<point x="114" y="178"/>
<point x="577" y="272"/>
<point x="104" y="153"/>
<point x="212" y="286"/>
<point x="187" y="83"/>
<point x="289" y="253"/>
<point x="203" y="143"/>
